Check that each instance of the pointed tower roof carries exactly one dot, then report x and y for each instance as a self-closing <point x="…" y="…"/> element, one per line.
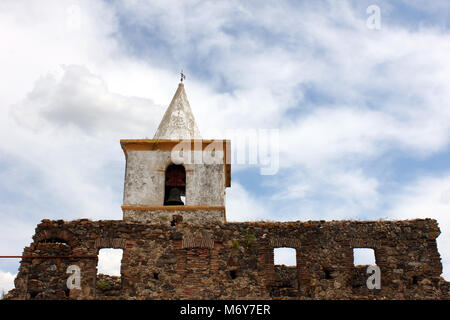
<point x="178" y="121"/>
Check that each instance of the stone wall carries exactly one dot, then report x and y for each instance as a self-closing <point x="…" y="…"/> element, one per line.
<point x="172" y="215"/>
<point x="233" y="260"/>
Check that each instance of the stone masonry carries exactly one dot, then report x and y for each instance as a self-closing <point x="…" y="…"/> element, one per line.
<point x="186" y="249"/>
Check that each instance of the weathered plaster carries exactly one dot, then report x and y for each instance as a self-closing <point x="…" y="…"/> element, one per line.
<point x="178" y="122"/>
<point x="145" y="176"/>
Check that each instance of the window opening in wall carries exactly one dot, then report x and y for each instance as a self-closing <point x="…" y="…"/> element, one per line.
<point x="233" y="274"/>
<point x="155" y="275"/>
<point x="363" y="256"/>
<point x="286" y="274"/>
<point x="286" y="256"/>
<point x="175" y="186"/>
<point x="108" y="272"/>
<point x="109" y="261"/>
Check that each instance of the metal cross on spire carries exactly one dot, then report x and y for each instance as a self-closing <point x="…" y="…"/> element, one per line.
<point x="182" y="76"/>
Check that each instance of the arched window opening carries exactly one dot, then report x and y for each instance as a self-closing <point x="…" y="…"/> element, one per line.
<point x="175" y="186"/>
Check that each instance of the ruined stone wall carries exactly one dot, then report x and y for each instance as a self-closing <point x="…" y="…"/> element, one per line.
<point x="234" y="260"/>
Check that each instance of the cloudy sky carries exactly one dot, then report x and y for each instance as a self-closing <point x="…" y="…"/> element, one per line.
<point x="363" y="113"/>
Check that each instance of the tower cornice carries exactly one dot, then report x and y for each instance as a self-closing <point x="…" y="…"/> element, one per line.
<point x="192" y="144"/>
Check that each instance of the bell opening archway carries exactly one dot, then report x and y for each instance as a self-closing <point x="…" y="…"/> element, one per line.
<point x="175" y="185"/>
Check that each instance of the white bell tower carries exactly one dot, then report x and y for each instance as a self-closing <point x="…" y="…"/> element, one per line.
<point x="176" y="176"/>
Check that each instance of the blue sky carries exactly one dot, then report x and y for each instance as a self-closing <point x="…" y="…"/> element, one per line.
<point x="363" y="115"/>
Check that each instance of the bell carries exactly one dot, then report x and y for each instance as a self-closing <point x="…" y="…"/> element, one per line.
<point x="174" y="198"/>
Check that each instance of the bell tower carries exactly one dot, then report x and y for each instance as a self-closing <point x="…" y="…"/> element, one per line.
<point x="177" y="176"/>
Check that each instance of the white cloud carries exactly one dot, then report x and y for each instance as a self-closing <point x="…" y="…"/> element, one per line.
<point x="242" y="206"/>
<point x="329" y="192"/>
<point x="387" y="86"/>
<point x="6" y="281"/>
<point x="37" y="39"/>
<point x="81" y="99"/>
